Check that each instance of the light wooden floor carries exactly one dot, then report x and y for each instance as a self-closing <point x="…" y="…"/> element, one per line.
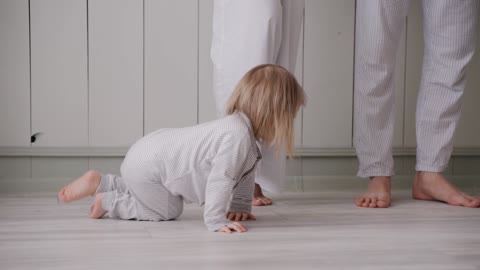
<point x="301" y="231"/>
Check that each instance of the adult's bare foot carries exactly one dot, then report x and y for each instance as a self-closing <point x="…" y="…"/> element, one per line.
<point x="378" y="194"/>
<point x="96" y="210"/>
<point x="82" y="187"/>
<point x="433" y="186"/>
<point x="258" y="198"/>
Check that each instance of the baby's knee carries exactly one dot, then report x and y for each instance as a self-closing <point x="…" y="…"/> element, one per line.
<point x="174" y="211"/>
<point x="160" y="214"/>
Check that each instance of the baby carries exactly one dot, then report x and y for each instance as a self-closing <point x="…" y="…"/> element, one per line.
<point x="212" y="163"/>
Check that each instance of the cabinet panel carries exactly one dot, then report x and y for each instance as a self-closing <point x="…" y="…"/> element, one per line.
<point x="59" y="72"/>
<point x="115" y="72"/>
<point x="328" y="73"/>
<point x="399" y="80"/>
<point x="206" y="101"/>
<point x="299" y="76"/>
<point x="468" y="131"/>
<point x="14" y="73"/>
<point x="171" y="44"/>
<point x="413" y="70"/>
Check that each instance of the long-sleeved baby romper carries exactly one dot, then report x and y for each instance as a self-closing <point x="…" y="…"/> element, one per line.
<point x="205" y="164"/>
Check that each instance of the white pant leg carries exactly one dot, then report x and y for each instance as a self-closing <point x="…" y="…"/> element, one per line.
<point x="110" y="182"/>
<point x="271" y="170"/>
<point x="121" y="205"/>
<point x="379" y="25"/>
<point x="293" y="11"/>
<point x="248" y="33"/>
<point x="449" y="35"/>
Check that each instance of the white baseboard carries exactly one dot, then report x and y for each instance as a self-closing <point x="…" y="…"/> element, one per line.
<point x="26" y="169"/>
<point x="37" y="151"/>
<point x="467" y="183"/>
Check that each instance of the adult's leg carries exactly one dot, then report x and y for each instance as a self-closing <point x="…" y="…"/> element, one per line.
<point x="379" y="25"/>
<point x="271" y="170"/>
<point x="449" y="34"/>
<point x="246" y="34"/>
<point x="292" y="14"/>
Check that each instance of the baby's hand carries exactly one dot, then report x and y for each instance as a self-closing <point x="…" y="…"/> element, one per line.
<point x="234" y="226"/>
<point x="240" y="216"/>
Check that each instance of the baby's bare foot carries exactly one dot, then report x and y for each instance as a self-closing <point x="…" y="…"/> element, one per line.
<point x="84" y="186"/>
<point x="96" y="210"/>
<point x="258" y="198"/>
<point x="378" y="193"/>
<point x="435" y="187"/>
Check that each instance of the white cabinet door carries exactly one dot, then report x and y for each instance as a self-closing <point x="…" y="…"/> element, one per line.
<point x="59" y="72"/>
<point x="115" y="72"/>
<point x="299" y="76"/>
<point x="206" y="101"/>
<point x="399" y="81"/>
<point x="468" y="132"/>
<point x="328" y="73"/>
<point x="171" y="63"/>
<point x="413" y="70"/>
<point x="14" y="73"/>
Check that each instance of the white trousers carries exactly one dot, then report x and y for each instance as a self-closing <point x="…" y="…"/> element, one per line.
<point x="247" y="33"/>
<point x="449" y="37"/>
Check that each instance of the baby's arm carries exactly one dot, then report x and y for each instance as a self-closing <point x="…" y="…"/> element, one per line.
<point x="216" y="198"/>
<point x="241" y="205"/>
<point x="226" y="166"/>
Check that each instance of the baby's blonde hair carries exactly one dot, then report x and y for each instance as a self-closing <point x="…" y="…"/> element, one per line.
<point x="270" y="97"/>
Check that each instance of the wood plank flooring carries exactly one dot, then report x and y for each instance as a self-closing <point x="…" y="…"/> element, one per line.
<point x="321" y="230"/>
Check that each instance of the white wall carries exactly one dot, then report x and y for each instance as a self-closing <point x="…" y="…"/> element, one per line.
<point x="102" y="73"/>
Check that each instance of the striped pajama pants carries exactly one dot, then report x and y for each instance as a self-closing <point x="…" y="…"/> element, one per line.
<point x="141" y="199"/>
<point x="449" y="38"/>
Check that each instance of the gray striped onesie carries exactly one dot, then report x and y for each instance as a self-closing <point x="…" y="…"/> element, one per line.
<point x="209" y="164"/>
